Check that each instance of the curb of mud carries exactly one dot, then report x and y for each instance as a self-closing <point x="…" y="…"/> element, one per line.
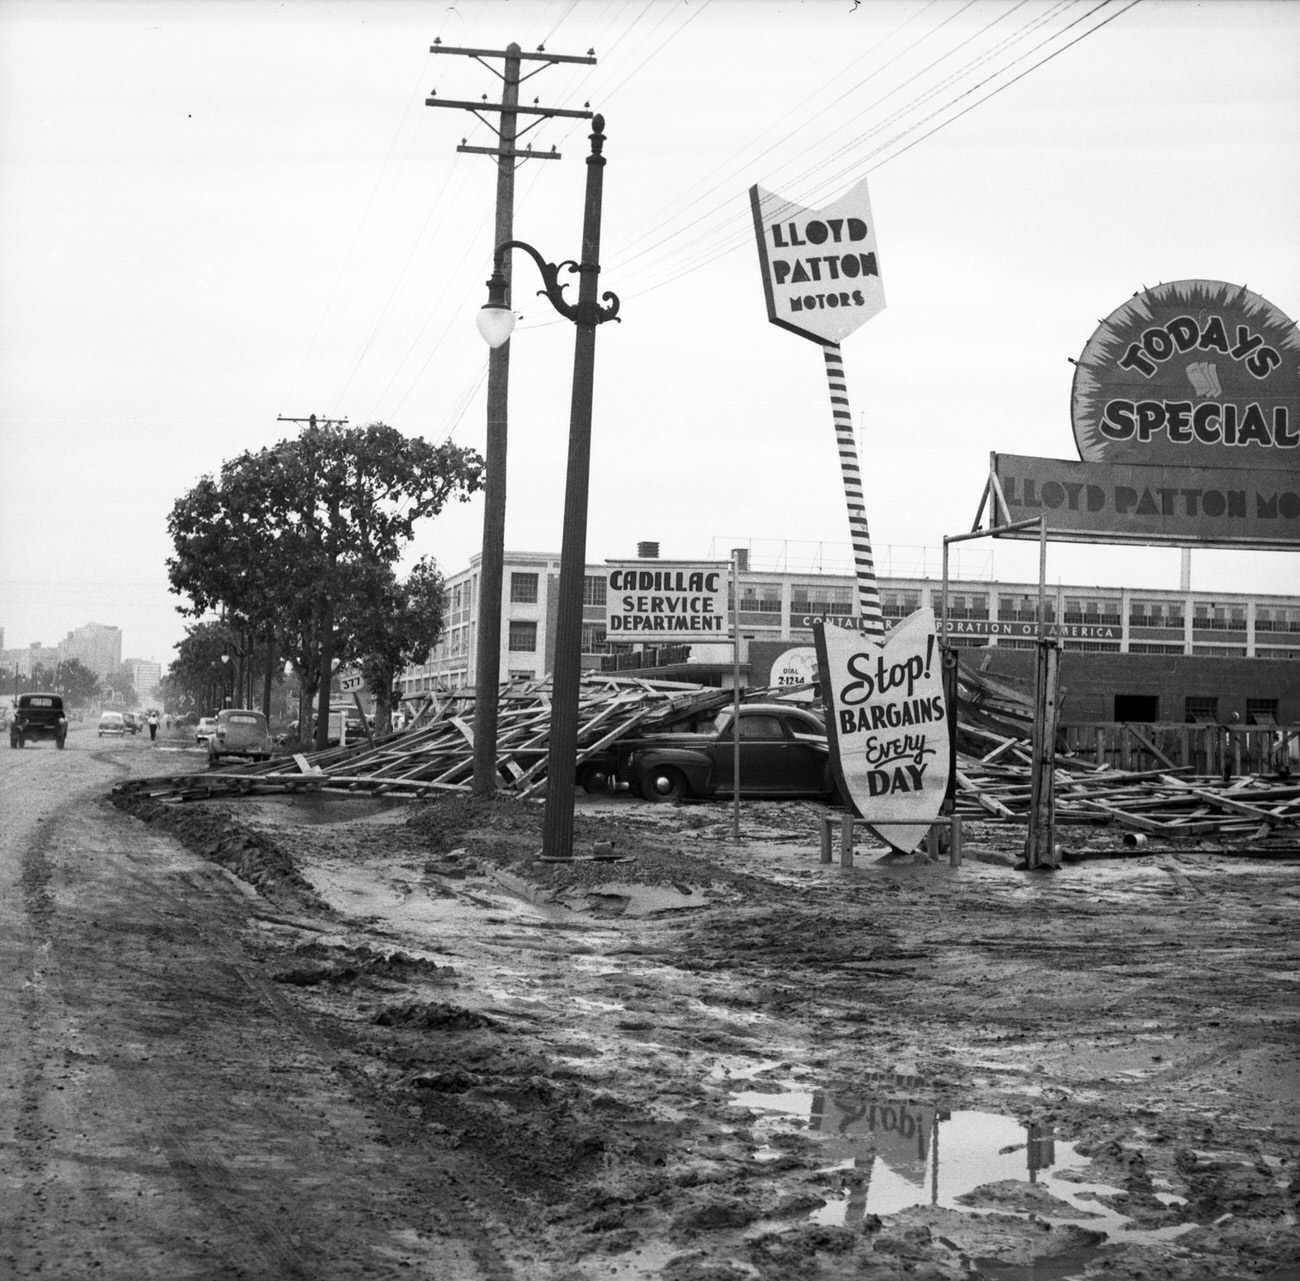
<point x="222" y="839"/>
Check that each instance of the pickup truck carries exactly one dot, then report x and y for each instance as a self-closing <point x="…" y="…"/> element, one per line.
<point x="37" y="716"/>
<point x="783" y="752"/>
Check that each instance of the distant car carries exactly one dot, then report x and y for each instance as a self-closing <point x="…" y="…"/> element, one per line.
<point x="37" y="716"/>
<point x="239" y="732"/>
<point x="783" y="752"/>
<point x="204" y="729"/>
<point x="111" y="723"/>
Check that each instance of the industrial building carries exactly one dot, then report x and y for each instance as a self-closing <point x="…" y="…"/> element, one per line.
<point x="1128" y="654"/>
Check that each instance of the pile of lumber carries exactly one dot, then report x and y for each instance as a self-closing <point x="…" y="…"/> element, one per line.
<point x="995" y="718"/>
<point x="436" y="753"/>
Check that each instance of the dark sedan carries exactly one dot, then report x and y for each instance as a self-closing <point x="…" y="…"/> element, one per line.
<point x="783" y="752"/>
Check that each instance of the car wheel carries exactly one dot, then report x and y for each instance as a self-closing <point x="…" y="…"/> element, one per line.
<point x="596" y="778"/>
<point x="664" y="784"/>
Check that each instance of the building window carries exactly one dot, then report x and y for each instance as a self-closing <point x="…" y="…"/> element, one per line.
<point x="1097" y="611"/>
<point x="1261" y="711"/>
<point x="962" y="604"/>
<point x="523" y="589"/>
<point x="1153" y="647"/>
<point x="523" y="636"/>
<point x="1024" y="608"/>
<point x="1144" y="708"/>
<point x="1277" y="618"/>
<point x="819" y="600"/>
<point x="1155" y="613"/>
<point x="522" y="674"/>
<point x="1201" y="710"/>
<point x="760" y="598"/>
<point x="594" y="589"/>
<point x="593" y="638"/>
<point x="899" y="604"/>
<point x="1272" y="652"/>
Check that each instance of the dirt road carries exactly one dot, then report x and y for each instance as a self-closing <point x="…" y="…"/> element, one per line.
<point x="418" y="1051"/>
<point x="166" y="1112"/>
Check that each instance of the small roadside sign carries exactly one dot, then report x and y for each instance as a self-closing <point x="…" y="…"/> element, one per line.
<point x="351" y="681"/>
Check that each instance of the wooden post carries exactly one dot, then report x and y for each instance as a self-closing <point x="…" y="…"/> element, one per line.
<point x="1040" y="844"/>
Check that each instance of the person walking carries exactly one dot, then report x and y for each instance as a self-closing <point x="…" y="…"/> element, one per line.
<point x="1230" y="744"/>
<point x="153" y="726"/>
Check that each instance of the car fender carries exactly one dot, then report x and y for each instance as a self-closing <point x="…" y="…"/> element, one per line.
<point x="695" y="765"/>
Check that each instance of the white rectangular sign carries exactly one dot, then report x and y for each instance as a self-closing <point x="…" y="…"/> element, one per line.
<point x="351" y="681"/>
<point x="821" y="277"/>
<point x="668" y="600"/>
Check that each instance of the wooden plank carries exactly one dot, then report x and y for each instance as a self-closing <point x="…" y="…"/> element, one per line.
<point x="1150" y="746"/>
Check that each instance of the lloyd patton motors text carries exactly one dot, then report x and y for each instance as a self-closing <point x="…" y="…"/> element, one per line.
<point x="1128" y="500"/>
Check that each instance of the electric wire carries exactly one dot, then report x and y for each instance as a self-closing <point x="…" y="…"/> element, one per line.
<point x="741" y="229"/>
<point x="721" y="229"/>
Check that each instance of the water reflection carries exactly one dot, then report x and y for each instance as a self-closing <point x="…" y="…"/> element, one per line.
<point x="894" y="1152"/>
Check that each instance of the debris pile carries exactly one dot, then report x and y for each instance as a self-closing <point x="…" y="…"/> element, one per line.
<point x="994" y="727"/>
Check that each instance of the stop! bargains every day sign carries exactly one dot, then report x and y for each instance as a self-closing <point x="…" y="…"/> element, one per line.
<point x="888" y="724"/>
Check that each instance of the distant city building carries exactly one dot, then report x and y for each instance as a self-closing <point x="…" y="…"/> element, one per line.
<point x="95" y="646"/>
<point x="25" y="661"/>
<point x="145" y="675"/>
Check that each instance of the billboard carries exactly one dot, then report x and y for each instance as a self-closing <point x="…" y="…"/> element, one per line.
<point x="1191" y="373"/>
<point x="1122" y="503"/>
<point x="821" y="275"/>
<point x="888" y="725"/>
<point x="683" y="600"/>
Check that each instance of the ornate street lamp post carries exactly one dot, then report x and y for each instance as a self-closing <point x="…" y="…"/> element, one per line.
<point x="495" y="322"/>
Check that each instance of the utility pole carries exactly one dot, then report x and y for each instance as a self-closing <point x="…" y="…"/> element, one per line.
<point x="487" y="674"/>
<point x="327" y="613"/>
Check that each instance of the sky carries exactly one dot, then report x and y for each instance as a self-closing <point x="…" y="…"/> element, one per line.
<point x="218" y="213"/>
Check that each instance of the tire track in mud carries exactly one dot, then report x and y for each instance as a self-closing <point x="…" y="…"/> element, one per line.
<point x="487" y="1260"/>
<point x="249" y="1236"/>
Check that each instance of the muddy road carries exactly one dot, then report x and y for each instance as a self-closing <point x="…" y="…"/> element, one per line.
<point x="336" y="1038"/>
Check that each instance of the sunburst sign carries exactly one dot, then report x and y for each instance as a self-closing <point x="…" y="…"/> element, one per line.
<point x="1192" y="373"/>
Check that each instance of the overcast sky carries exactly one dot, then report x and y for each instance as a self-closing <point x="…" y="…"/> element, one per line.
<point x="217" y="212"/>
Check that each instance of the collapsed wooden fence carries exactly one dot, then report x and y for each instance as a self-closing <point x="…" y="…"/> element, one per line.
<point x="434" y="755"/>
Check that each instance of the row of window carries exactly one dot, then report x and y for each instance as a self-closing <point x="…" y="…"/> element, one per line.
<point x="806" y="598"/>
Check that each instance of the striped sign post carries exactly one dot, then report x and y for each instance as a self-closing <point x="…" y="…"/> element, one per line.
<point x="822" y="281"/>
<point x="870" y="619"/>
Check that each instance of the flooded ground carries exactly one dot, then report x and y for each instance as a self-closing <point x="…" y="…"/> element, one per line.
<point x="707" y="1059"/>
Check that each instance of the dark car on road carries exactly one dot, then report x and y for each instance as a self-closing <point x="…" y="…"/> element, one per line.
<point x="36" y="717"/>
<point x="783" y="752"/>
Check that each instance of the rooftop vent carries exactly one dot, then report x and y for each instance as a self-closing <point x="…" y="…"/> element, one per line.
<point x="647" y="551"/>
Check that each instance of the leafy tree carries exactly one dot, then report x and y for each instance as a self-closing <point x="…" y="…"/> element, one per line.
<point x="123" y="690"/>
<point x="402" y="626"/>
<point x="196" y="678"/>
<point x="291" y="540"/>
<point x="76" y="682"/>
<point x="43" y="677"/>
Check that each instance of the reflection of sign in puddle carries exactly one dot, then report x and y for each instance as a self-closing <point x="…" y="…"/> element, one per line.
<point x="893" y="1154"/>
